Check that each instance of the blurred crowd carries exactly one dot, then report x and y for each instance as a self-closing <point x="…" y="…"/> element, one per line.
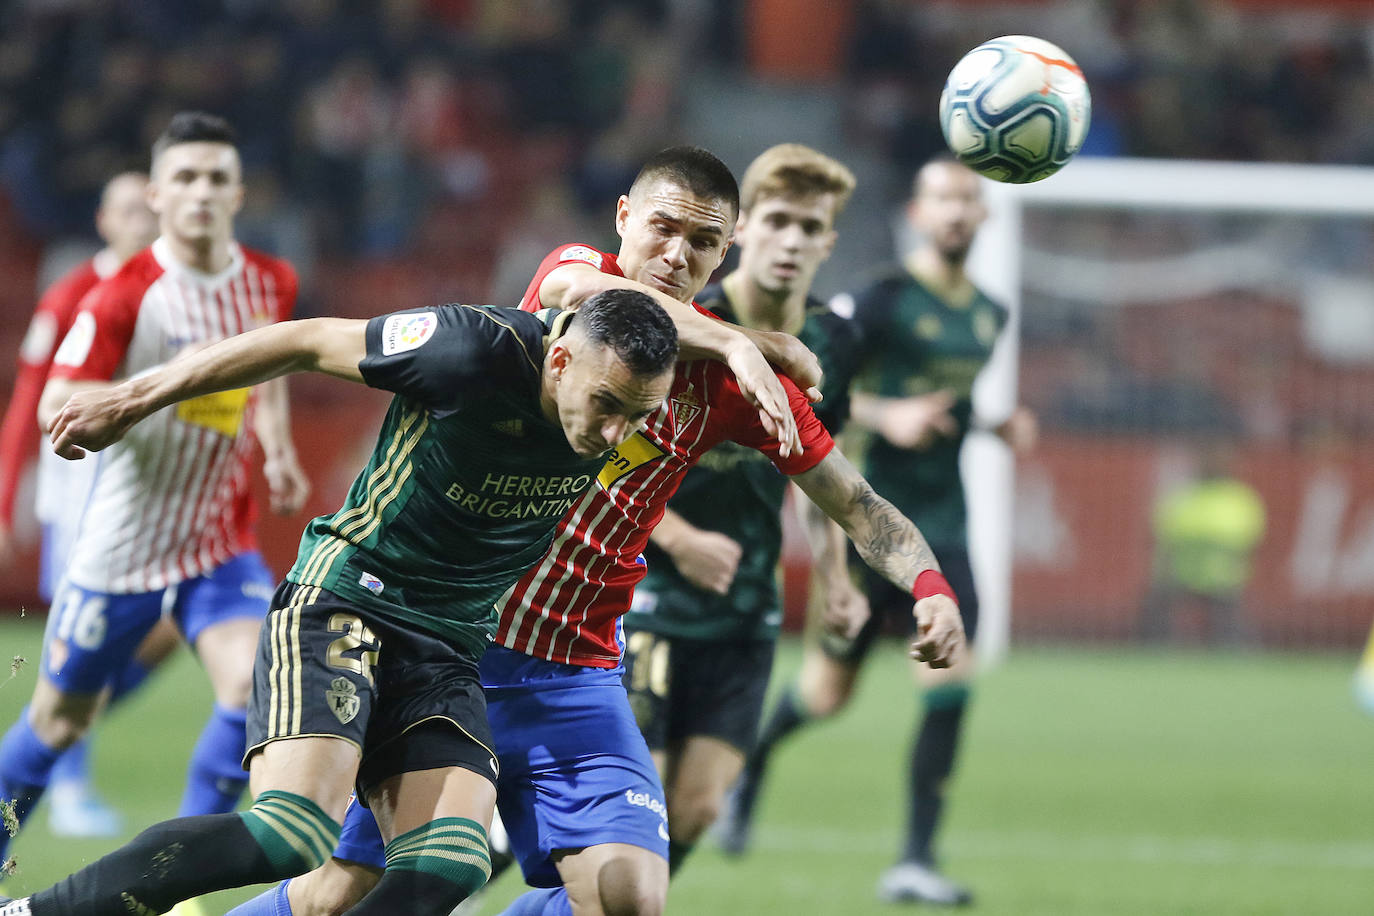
<point x="368" y="124"/>
<point x="1197" y="79"/>
<point x="358" y="120"/>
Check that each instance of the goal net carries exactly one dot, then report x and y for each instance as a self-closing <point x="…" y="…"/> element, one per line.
<point x="1197" y="340"/>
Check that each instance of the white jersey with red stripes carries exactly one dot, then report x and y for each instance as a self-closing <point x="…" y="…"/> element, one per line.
<point x="566" y="609"/>
<point x="171" y="500"/>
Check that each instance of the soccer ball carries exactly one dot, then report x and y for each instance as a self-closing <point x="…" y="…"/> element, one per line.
<point x="1015" y="109"/>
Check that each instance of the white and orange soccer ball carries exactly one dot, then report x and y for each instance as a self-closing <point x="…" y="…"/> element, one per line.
<point x="1015" y="109"/>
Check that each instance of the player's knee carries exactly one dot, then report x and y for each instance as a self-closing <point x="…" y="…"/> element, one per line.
<point x="61" y="724"/>
<point x="332" y="889"/>
<point x="628" y="888"/>
<point x="235" y="691"/>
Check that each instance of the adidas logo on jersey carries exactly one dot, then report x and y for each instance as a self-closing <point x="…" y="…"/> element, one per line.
<point x="514" y="427"/>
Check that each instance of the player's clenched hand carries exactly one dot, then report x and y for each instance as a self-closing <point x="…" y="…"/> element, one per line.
<point x="846" y="609"/>
<point x="287" y="485"/>
<point x="707" y="559"/>
<point x="761" y="387"/>
<point x="916" y="422"/>
<point x="939" y="631"/>
<point x="91" y="421"/>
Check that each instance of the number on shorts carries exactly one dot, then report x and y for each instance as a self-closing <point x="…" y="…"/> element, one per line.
<point x="83" y="620"/>
<point x="356" y="635"/>
<point x="650" y="663"/>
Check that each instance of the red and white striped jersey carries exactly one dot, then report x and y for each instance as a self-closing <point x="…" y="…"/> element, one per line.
<point x="19" y="435"/>
<point x="566" y="609"/>
<point x="171" y="500"/>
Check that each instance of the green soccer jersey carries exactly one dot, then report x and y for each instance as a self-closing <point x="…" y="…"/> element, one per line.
<point x="468" y="478"/>
<point x="738" y="492"/>
<point x="914" y="342"/>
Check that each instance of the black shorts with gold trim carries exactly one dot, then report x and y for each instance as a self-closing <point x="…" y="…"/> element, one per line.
<point x="409" y="700"/>
<point x="680" y="688"/>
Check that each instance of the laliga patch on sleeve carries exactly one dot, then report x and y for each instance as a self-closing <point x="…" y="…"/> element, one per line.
<point x="39" y="339"/>
<point x="581" y="253"/>
<point x="407" y="332"/>
<point x="76" y="346"/>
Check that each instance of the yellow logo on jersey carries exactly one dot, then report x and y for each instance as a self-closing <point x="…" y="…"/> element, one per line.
<point x="630" y="454"/>
<point x="221" y="411"/>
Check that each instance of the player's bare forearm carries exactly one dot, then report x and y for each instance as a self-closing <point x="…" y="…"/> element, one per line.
<point x="669" y="531"/>
<point x="569" y="285"/>
<point x="826" y="539"/>
<point x="866" y="410"/>
<point x="97" y="419"/>
<point x="790" y="355"/>
<point x="886" y="539"/>
<point x="333" y="346"/>
<point x="892" y="546"/>
<point x="699" y="337"/>
<point x="272" y="422"/>
<point x="56" y="393"/>
<point x="706" y="559"/>
<point x="288" y="485"/>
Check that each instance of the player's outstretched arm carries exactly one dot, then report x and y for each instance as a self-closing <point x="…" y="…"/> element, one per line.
<point x="846" y="606"/>
<point x="891" y="545"/>
<point x="699" y="337"/>
<point x="94" y="419"/>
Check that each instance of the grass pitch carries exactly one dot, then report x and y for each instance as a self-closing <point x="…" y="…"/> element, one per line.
<point x="1091" y="782"/>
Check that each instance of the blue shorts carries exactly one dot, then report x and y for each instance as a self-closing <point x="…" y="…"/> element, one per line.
<point x="361" y="839"/>
<point x="575" y="771"/>
<point x="92" y="635"/>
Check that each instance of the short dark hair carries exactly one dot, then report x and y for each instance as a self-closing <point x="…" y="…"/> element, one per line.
<point x="694" y="168"/>
<point x="194" y="127"/>
<point x="633" y="325"/>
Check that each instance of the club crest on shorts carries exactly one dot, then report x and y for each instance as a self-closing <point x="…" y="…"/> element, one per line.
<point x="343" y="700"/>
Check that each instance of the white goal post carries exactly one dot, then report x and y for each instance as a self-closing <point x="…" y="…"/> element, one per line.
<point x="996" y="265"/>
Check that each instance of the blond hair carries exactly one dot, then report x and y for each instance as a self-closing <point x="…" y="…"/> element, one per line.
<point x="791" y="169"/>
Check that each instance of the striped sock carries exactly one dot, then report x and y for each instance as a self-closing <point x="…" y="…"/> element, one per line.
<point x="453" y="848"/>
<point x="293" y="832"/>
<point x="430" y="869"/>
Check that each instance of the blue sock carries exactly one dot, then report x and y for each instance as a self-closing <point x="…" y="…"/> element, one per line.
<point x="544" y="901"/>
<point x="216" y="779"/>
<point x="271" y="903"/>
<point x="25" y="769"/>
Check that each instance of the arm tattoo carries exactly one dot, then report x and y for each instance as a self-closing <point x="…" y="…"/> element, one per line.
<point x="886" y="539"/>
